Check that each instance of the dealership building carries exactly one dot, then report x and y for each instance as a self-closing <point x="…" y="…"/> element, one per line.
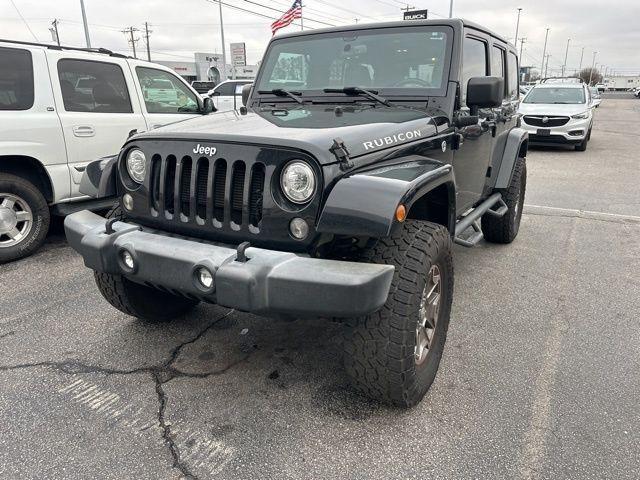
<point x="209" y="67"/>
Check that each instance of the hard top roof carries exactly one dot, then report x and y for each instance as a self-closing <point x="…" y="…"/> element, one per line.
<point x="453" y="22"/>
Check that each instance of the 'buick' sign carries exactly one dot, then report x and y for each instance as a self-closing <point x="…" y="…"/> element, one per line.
<point x="416" y="15"/>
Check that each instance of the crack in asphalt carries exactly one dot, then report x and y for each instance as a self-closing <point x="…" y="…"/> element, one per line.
<point x="161" y="374"/>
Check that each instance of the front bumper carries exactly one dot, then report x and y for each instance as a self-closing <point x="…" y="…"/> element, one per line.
<point x="267" y="282"/>
<point x="572" y="133"/>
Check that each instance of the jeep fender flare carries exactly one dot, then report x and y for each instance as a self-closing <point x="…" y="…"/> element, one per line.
<point x="100" y="178"/>
<point x="516" y="144"/>
<point x="365" y="203"/>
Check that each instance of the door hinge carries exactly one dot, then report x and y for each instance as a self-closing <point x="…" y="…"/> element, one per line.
<point x="341" y="153"/>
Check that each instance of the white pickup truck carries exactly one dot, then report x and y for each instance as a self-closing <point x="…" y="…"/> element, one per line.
<point x="61" y="108"/>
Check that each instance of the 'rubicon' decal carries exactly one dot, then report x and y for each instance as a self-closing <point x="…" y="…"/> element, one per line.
<point x="391" y="139"/>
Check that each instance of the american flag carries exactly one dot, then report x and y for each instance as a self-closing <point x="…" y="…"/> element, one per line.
<point x="288" y="17"/>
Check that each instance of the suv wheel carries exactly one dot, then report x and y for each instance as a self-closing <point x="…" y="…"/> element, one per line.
<point x="393" y="354"/>
<point x="582" y="146"/>
<point x="24" y="218"/>
<point x="505" y="229"/>
<point x="139" y="300"/>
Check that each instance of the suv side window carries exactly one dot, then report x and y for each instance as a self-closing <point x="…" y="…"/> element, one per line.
<point x="474" y="63"/>
<point x="16" y="79"/>
<point x="227" y="89"/>
<point x="164" y="93"/>
<point x="512" y="70"/>
<point x="90" y="86"/>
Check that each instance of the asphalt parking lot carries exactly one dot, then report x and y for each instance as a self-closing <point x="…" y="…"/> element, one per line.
<point x="540" y="378"/>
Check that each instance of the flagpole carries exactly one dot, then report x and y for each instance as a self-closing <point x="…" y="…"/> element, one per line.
<point x="301" y="20"/>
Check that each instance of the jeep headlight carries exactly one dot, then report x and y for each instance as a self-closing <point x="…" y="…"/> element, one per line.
<point x="136" y="165"/>
<point x="298" y="181"/>
<point x="582" y="115"/>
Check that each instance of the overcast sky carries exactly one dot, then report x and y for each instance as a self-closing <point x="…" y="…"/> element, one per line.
<point x="182" y="27"/>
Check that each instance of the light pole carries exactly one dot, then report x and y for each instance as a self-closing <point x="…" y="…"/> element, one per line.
<point x="515" y="41"/>
<point x="566" y="54"/>
<point x="451" y="9"/>
<point x="522" y="40"/>
<point x="224" y="54"/>
<point x="544" y="51"/>
<point x="84" y="22"/>
<point x="546" y="68"/>
<point x="581" y="58"/>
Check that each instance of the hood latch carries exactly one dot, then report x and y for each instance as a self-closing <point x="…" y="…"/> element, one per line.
<point x="339" y="149"/>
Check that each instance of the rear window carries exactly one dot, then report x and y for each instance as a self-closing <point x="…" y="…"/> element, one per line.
<point x="90" y="86"/>
<point x="16" y="79"/>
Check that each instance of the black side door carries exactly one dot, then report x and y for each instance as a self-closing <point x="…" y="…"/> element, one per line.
<point x="471" y="160"/>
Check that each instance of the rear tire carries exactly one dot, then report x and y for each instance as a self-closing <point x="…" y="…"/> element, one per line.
<point x="505" y="229"/>
<point x="24" y="218"/>
<point x="393" y="354"/>
<point x="139" y="300"/>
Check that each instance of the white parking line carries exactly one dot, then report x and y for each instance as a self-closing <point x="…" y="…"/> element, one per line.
<point x="572" y="212"/>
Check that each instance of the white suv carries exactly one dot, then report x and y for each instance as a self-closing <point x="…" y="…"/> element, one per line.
<point x="558" y="113"/>
<point x="227" y="95"/>
<point x="61" y="108"/>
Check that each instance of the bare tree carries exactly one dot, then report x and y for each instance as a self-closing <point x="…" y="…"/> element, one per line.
<point x="590" y="75"/>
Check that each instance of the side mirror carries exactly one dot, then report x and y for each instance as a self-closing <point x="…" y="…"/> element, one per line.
<point x="216" y="93"/>
<point x="207" y="106"/>
<point x="246" y="93"/>
<point x="484" y="92"/>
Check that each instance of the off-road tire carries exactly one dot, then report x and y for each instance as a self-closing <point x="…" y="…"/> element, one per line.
<point x="379" y="348"/>
<point x="138" y="300"/>
<point x="40" y="217"/>
<point x="505" y="229"/>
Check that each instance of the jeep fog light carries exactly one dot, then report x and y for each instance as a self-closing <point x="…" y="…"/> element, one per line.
<point x="136" y="165"/>
<point x="205" y="277"/>
<point x="127" y="259"/>
<point x="299" y="228"/>
<point x="298" y="181"/>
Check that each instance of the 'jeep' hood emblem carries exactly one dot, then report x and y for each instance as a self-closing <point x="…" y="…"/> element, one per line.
<point x="202" y="150"/>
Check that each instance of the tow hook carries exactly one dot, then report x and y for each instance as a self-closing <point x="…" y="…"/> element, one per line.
<point x="108" y="227"/>
<point x="241" y="252"/>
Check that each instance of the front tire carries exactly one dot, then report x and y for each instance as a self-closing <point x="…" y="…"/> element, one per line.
<point x="393" y="354"/>
<point x="24" y="218"/>
<point x="505" y="229"/>
<point x="138" y="300"/>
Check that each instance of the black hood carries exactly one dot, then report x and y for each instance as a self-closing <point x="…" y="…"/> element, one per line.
<point x="363" y="127"/>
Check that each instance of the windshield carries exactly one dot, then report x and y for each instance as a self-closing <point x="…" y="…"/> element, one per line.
<point x="401" y="61"/>
<point x="555" y="95"/>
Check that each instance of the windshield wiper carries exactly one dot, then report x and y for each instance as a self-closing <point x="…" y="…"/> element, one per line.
<point x="372" y="94"/>
<point x="281" y="92"/>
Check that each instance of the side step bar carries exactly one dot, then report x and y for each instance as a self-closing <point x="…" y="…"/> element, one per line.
<point x="472" y="219"/>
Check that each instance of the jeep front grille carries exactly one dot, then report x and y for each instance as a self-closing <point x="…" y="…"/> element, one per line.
<point x="206" y="191"/>
<point x="551" y="121"/>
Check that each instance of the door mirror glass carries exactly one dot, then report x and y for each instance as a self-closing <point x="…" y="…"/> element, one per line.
<point x="246" y="93"/>
<point x="207" y="106"/>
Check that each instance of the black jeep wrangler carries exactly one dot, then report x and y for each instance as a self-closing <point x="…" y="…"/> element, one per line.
<point x="361" y="155"/>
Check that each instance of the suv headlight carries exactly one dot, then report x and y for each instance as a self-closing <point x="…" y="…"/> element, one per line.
<point x="298" y="181"/>
<point x="582" y="115"/>
<point x="136" y="165"/>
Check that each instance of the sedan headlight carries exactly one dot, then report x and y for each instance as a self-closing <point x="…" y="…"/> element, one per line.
<point x="136" y="165"/>
<point x="298" y="181"/>
<point x="582" y="115"/>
